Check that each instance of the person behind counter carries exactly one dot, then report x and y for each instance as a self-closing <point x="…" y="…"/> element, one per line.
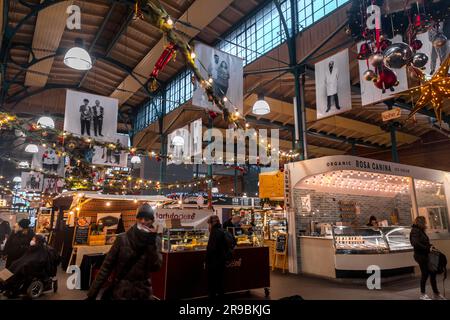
<point x="18" y="242"/>
<point x="422" y="247"/>
<point x="132" y="257"/>
<point x="234" y="222"/>
<point x="216" y="256"/>
<point x="373" y="222"/>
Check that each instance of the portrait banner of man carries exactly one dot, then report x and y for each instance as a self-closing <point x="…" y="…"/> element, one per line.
<point x="224" y="72"/>
<point x="109" y="156"/>
<point x="91" y="115"/>
<point x="333" y="95"/>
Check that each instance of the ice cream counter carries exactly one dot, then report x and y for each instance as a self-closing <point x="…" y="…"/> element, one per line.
<point x="350" y="251"/>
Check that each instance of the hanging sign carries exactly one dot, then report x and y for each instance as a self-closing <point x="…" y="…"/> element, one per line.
<point x="395" y="113"/>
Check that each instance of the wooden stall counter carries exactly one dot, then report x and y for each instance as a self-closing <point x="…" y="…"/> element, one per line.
<point x="183" y="274"/>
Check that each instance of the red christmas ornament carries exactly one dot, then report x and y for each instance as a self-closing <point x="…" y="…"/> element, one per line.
<point x="158" y="158"/>
<point x="212" y="114"/>
<point x="45" y="155"/>
<point x="364" y="52"/>
<point x="384" y="44"/>
<point x="386" y="79"/>
<point x="416" y="44"/>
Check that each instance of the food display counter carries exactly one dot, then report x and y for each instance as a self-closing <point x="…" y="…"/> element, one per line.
<point x="183" y="274"/>
<point x="350" y="251"/>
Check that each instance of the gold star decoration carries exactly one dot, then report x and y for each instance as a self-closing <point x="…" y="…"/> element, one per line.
<point x="433" y="92"/>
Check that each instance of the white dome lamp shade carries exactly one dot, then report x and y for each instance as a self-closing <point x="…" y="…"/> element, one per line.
<point x="178" y="141"/>
<point x="17" y="179"/>
<point x="135" y="160"/>
<point x="31" y="148"/>
<point x="24" y="164"/>
<point x="261" y="107"/>
<point x="46" y="122"/>
<point x="77" y="57"/>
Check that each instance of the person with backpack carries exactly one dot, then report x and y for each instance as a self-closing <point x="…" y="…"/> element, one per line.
<point x="133" y="256"/>
<point x="218" y="252"/>
<point x="422" y="248"/>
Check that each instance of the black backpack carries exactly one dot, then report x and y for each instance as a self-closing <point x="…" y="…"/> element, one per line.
<point x="437" y="263"/>
<point x="230" y="244"/>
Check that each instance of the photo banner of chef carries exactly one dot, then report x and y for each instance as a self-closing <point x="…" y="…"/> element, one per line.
<point x="91" y="115"/>
<point x="111" y="157"/>
<point x="32" y="181"/>
<point x="196" y="138"/>
<point x="196" y="218"/>
<point x="46" y="159"/>
<point x="178" y="146"/>
<point x="369" y="92"/>
<point x="435" y="54"/>
<point x="227" y="74"/>
<point x="333" y="93"/>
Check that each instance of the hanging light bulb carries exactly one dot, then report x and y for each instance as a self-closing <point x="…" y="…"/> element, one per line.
<point x="193" y="55"/>
<point x="46" y="122"/>
<point x="17" y="179"/>
<point x="135" y="160"/>
<point x="178" y="141"/>
<point x="261" y="107"/>
<point x="77" y="57"/>
<point x="31" y="148"/>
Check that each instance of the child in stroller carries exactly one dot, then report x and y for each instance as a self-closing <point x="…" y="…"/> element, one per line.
<point x="33" y="273"/>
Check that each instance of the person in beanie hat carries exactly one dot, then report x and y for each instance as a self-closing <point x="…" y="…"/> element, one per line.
<point x="133" y="256"/>
<point x="18" y="242"/>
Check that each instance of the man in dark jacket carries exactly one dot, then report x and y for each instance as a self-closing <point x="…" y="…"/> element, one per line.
<point x="422" y="247"/>
<point x="18" y="242"/>
<point x="133" y="256"/>
<point x="5" y="231"/>
<point x="216" y="253"/>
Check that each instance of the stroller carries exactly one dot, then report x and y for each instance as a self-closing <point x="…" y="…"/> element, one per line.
<point x="33" y="280"/>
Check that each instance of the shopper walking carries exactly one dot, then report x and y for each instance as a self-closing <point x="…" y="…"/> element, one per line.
<point x="422" y="247"/>
<point x="132" y="257"/>
<point x="216" y="256"/>
<point x="18" y="242"/>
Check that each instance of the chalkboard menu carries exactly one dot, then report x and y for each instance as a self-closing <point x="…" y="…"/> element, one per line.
<point x="281" y="243"/>
<point x="81" y="235"/>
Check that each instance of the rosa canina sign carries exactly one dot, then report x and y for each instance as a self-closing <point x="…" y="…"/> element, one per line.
<point x="188" y="217"/>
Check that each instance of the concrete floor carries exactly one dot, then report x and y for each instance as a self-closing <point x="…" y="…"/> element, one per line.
<point x="285" y="285"/>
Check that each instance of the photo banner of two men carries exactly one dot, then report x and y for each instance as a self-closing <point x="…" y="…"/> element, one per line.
<point x="227" y="74"/>
<point x="333" y="92"/>
<point x="37" y="182"/>
<point x="90" y="115"/>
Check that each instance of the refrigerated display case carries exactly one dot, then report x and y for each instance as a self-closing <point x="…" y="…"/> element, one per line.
<point x="369" y="240"/>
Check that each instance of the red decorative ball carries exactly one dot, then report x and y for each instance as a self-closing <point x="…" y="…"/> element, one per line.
<point x="384" y="44"/>
<point x="212" y="114"/>
<point x="416" y="44"/>
<point x="364" y="52"/>
<point x="386" y="79"/>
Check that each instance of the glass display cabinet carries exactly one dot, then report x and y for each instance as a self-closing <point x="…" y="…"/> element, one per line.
<point x="184" y="239"/>
<point x="367" y="240"/>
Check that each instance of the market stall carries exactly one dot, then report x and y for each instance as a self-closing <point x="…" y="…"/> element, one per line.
<point x="329" y="201"/>
<point x="88" y="221"/>
<point x="186" y="248"/>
